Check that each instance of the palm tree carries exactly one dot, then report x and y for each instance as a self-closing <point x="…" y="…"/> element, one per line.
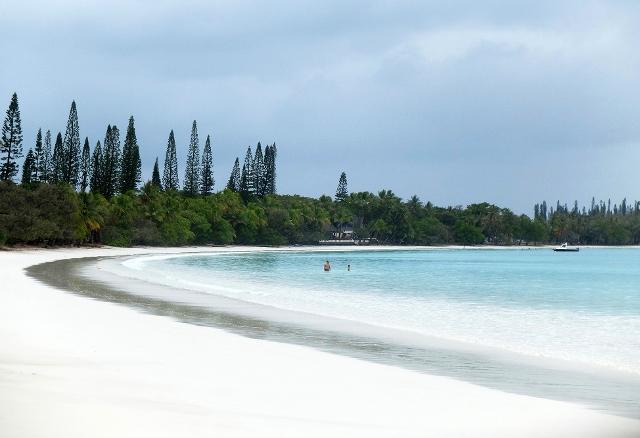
<point x="92" y="210"/>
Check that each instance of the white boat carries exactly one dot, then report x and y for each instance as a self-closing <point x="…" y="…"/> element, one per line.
<point x="566" y="248"/>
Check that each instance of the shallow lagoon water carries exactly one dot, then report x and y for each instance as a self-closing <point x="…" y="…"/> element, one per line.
<point x="582" y="307"/>
<point x="562" y="326"/>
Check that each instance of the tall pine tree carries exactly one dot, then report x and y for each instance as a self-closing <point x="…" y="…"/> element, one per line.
<point x="95" y="183"/>
<point x="341" y="191"/>
<point x="155" y="176"/>
<point x="71" y="148"/>
<point x="246" y="180"/>
<point x="45" y="163"/>
<point x="170" y="174"/>
<point x="85" y="166"/>
<point x="38" y="156"/>
<point x="11" y="145"/>
<point x="130" y="170"/>
<point x="234" y="178"/>
<point x="206" y="180"/>
<point x="192" y="170"/>
<point x="57" y="162"/>
<point x="28" y="169"/>
<point x="111" y="162"/>
<point x="258" y="171"/>
<point x="270" y="170"/>
<point x="273" y="172"/>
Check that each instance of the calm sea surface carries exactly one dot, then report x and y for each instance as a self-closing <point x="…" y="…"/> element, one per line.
<point x="561" y="311"/>
<point x="582" y="307"/>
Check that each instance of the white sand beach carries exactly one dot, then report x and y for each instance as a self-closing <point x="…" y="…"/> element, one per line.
<point x="71" y="367"/>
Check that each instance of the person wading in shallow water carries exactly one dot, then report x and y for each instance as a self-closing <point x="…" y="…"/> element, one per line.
<point x="327" y="266"/>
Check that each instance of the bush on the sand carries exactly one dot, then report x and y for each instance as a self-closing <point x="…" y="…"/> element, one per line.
<point x="47" y="214"/>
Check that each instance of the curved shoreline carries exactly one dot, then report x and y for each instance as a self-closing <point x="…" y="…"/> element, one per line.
<point x="72" y="367"/>
<point x="511" y="372"/>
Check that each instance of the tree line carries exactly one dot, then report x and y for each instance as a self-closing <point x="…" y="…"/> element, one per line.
<point x="600" y="224"/>
<point x="76" y="195"/>
<point x="111" y="169"/>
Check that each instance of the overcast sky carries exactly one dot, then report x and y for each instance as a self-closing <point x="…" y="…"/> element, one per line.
<point x="456" y="101"/>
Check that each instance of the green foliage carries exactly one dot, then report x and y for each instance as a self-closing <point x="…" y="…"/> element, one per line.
<point x="55" y="214"/>
<point x="93" y="210"/>
<point x="110" y="162"/>
<point x="85" y="166"/>
<point x="38" y="158"/>
<point x="247" y="188"/>
<point x="468" y="234"/>
<point x="45" y="163"/>
<point x="206" y="179"/>
<point x="48" y="214"/>
<point x="430" y="231"/>
<point x="28" y="169"/>
<point x="234" y="178"/>
<point x="270" y="155"/>
<point x="192" y="170"/>
<point x="258" y="172"/>
<point x="155" y="175"/>
<point x="57" y="171"/>
<point x="97" y="170"/>
<point x="11" y="141"/>
<point x="341" y="191"/>
<point x="46" y="209"/>
<point x="170" y="174"/>
<point x="71" y="149"/>
<point x="602" y="224"/>
<point x="130" y="165"/>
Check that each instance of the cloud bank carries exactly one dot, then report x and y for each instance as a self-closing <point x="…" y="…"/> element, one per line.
<point x="458" y="102"/>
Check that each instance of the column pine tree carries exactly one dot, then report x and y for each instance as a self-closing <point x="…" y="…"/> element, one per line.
<point x="192" y="170"/>
<point x="258" y="171"/>
<point x="234" y="178"/>
<point x="45" y="164"/>
<point x="28" y="169"/>
<point x="85" y="166"/>
<point x="111" y="162"/>
<point x="246" y="180"/>
<point x="270" y="170"/>
<point x="71" y="148"/>
<point x="38" y="157"/>
<point x="95" y="182"/>
<point x="155" y="176"/>
<point x="342" y="192"/>
<point x="206" y="180"/>
<point x="170" y="174"/>
<point x="130" y="170"/>
<point x="57" y="161"/>
<point x="11" y="145"/>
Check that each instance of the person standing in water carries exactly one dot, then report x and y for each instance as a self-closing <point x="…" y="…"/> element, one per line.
<point x="327" y="266"/>
<point x="349" y="268"/>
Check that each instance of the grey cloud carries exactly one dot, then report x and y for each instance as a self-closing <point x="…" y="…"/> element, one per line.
<point x="457" y="101"/>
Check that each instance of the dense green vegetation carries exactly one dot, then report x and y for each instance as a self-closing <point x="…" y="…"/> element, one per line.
<point x="72" y="195"/>
<point x="55" y="214"/>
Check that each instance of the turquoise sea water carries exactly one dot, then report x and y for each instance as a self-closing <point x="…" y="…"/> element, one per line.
<point x="583" y="307"/>
<point x="571" y="311"/>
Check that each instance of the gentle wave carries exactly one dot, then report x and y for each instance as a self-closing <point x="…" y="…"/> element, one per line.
<point x="580" y="336"/>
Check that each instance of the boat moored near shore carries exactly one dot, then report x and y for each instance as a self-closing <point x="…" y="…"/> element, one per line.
<point x="566" y="248"/>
